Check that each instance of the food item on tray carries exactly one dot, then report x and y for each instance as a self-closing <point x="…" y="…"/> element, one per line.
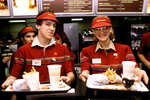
<point x="32" y="79"/>
<point x="54" y="73"/>
<point x="108" y="77"/>
<point x="98" y="79"/>
<point x="127" y="82"/>
<point x="111" y="75"/>
<point x="45" y="86"/>
<point x="31" y="72"/>
<point x="20" y="84"/>
<point x="61" y="84"/>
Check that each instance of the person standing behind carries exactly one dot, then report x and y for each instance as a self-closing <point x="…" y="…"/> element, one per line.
<point x="63" y="39"/>
<point x="144" y="52"/>
<point x="41" y="52"/>
<point x="105" y="54"/>
<point x="5" y="57"/>
<point x="26" y="35"/>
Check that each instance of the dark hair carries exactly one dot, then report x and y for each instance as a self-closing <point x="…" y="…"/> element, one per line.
<point x="20" y="42"/>
<point x="65" y="39"/>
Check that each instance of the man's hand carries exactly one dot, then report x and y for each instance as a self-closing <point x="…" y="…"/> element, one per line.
<point x="10" y="80"/>
<point x="68" y="79"/>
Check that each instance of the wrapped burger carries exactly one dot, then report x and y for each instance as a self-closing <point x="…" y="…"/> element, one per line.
<point x="108" y="77"/>
<point x="20" y="85"/>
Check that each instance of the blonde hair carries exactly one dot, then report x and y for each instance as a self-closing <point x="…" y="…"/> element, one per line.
<point x="112" y="37"/>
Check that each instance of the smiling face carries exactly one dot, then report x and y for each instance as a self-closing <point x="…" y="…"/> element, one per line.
<point x="47" y="29"/>
<point x="103" y="33"/>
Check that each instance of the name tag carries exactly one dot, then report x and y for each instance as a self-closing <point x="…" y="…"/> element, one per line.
<point x="96" y="60"/>
<point x="36" y="62"/>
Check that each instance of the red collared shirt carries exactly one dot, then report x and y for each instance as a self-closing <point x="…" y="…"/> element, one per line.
<point x="97" y="61"/>
<point x="145" y="45"/>
<point x="31" y="55"/>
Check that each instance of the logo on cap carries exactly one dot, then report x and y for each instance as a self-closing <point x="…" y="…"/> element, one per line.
<point x="47" y="15"/>
<point x="101" y="20"/>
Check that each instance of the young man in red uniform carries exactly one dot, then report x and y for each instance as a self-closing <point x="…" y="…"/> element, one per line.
<point x="41" y="52"/>
<point x="105" y="54"/>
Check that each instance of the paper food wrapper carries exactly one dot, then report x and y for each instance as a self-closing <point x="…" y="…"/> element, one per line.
<point x="20" y="85"/>
<point x="102" y="79"/>
<point x="98" y="79"/>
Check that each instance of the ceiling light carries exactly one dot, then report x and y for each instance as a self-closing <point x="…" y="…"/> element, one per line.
<point x="76" y="19"/>
<point x="16" y="21"/>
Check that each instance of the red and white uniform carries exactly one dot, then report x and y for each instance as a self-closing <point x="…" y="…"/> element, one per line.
<point x="98" y="60"/>
<point x="34" y="54"/>
<point x="145" y="45"/>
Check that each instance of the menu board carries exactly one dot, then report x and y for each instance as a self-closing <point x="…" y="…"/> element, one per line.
<point x="120" y="5"/>
<point x="148" y="7"/>
<point x="68" y="6"/>
<point x="25" y="7"/>
<point x="4" y="8"/>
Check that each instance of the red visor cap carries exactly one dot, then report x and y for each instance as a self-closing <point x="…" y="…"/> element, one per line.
<point x="48" y="15"/>
<point x="101" y="22"/>
<point x="27" y="29"/>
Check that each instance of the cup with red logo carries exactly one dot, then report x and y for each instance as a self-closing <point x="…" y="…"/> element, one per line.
<point x="54" y="73"/>
<point x="128" y="75"/>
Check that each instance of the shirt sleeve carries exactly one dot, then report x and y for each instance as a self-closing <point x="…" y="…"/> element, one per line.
<point x="142" y="45"/>
<point x="85" y="60"/>
<point x="130" y="56"/>
<point x="17" y="67"/>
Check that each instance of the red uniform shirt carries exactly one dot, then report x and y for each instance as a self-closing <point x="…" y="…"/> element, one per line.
<point x="145" y="45"/>
<point x="100" y="60"/>
<point x="55" y="54"/>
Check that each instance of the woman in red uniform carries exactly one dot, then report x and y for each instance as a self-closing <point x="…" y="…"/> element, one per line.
<point x="105" y="54"/>
<point x="41" y="52"/>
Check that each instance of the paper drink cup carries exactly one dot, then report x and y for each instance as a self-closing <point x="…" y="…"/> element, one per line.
<point x="128" y="69"/>
<point x="54" y="73"/>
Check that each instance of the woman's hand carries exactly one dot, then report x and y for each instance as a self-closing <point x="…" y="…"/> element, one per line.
<point x="84" y="75"/>
<point x="10" y="80"/>
<point x="142" y="75"/>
